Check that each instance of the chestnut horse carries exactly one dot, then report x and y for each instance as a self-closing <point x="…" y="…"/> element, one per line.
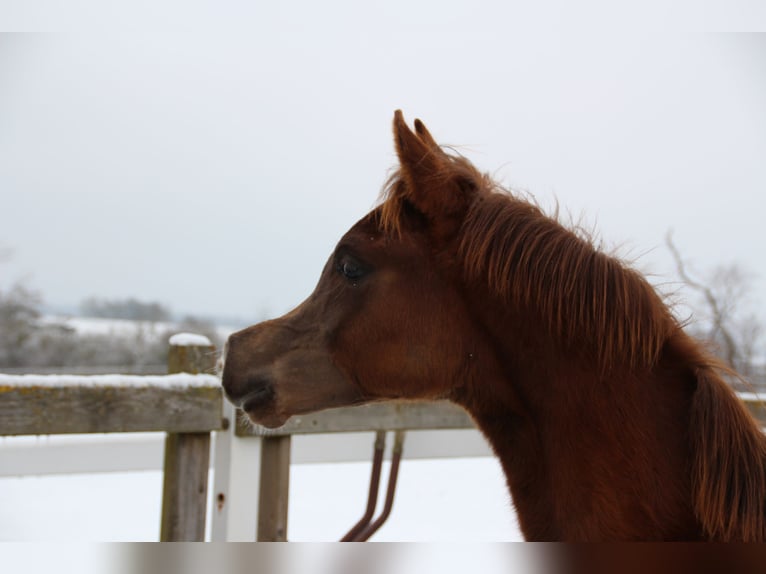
<point x="610" y="422"/>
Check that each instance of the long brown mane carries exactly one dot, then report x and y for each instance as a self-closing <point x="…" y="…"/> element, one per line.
<point x="530" y="260"/>
<point x="593" y="303"/>
<point x="580" y="294"/>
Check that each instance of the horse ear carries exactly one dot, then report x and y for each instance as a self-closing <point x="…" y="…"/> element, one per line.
<point x="426" y="137"/>
<point x="438" y="186"/>
<point x="417" y="155"/>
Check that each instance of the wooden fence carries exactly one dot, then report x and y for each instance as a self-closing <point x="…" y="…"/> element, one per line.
<point x="187" y="404"/>
<point x="251" y="465"/>
<point x="251" y="471"/>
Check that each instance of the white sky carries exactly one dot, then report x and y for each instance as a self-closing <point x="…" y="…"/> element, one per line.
<point x="214" y="170"/>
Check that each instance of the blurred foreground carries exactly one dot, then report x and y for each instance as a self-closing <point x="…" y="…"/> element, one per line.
<point x="274" y="558"/>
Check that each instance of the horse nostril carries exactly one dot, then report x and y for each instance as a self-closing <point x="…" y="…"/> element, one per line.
<point x="259" y="395"/>
<point x="246" y="390"/>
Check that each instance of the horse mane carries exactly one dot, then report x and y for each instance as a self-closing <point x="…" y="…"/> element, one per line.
<point x="728" y="461"/>
<point x="530" y="260"/>
<point x="580" y="294"/>
<point x="596" y="307"/>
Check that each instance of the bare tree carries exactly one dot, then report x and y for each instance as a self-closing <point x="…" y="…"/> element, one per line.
<point x="18" y="324"/>
<point x="733" y="330"/>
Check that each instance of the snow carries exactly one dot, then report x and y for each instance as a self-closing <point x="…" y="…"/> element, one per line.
<point x="444" y="500"/>
<point x="178" y="380"/>
<point x="152" y="330"/>
<point x="190" y="340"/>
<point x="437" y="500"/>
<point x="107" y="326"/>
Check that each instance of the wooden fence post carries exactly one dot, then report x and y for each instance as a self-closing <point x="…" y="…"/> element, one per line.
<point x="274" y="489"/>
<point x="187" y="455"/>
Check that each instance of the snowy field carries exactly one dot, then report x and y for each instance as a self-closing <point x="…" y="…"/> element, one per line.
<point x="121" y="327"/>
<point x="457" y="505"/>
<point x="436" y="500"/>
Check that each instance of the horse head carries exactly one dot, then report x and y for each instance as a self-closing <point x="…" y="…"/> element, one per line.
<point x="386" y="319"/>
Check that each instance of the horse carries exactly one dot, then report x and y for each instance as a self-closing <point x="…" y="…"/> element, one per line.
<point x="610" y="422"/>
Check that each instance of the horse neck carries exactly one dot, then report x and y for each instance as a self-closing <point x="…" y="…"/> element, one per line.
<point x="586" y="456"/>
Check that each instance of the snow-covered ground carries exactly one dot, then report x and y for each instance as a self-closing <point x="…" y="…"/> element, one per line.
<point x="436" y="500"/>
<point x="105" y="326"/>
<point x="120" y="327"/>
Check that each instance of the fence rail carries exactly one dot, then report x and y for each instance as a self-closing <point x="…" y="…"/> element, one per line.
<point x="389" y="416"/>
<point x="53" y="404"/>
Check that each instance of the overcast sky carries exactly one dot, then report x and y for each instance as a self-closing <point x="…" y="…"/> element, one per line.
<point x="215" y="171"/>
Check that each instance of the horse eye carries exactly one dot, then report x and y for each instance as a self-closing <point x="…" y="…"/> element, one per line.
<point x="350" y="269"/>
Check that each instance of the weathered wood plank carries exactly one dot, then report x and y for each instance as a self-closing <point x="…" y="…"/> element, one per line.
<point x="274" y="489"/>
<point x="372" y="417"/>
<point x="184" y="499"/>
<point x="30" y="406"/>
<point x="187" y="455"/>
<point x="399" y="416"/>
<point x="190" y="358"/>
<point x="79" y="405"/>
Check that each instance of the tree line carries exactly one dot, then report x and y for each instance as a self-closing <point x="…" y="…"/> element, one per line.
<point x="28" y="341"/>
<point x="130" y="308"/>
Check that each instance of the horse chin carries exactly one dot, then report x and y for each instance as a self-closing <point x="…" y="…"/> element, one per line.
<point x="262" y="410"/>
<point x="272" y="420"/>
